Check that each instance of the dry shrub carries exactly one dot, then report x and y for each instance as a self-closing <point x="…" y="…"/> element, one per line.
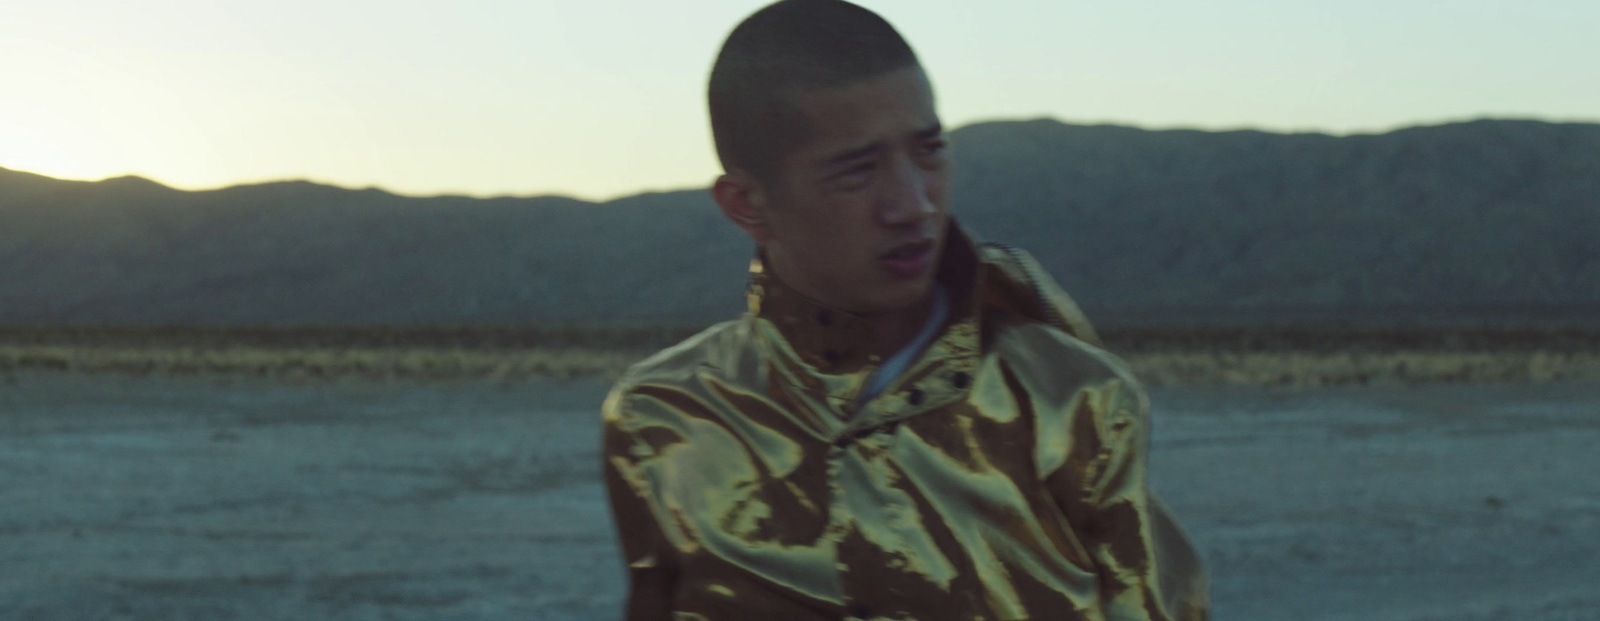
<point x="1298" y="357"/>
<point x="1361" y="368"/>
<point x="313" y="364"/>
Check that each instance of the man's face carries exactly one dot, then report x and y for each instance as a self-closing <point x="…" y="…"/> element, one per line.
<point x="857" y="219"/>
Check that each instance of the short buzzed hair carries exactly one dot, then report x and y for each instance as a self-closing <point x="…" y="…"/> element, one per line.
<point x="783" y="48"/>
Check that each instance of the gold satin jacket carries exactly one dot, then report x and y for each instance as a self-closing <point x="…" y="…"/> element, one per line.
<point x="1001" y="476"/>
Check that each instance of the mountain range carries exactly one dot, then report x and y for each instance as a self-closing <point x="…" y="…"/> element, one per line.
<point x="1480" y="218"/>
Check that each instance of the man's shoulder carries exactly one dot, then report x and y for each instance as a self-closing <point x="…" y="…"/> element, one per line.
<point x="677" y="367"/>
<point x="1052" y="359"/>
<point x="1071" y="383"/>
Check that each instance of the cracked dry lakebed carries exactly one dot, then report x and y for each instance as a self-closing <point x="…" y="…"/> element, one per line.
<point x="224" y="498"/>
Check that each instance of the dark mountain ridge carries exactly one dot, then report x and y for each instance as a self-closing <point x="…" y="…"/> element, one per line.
<point x="1486" y="219"/>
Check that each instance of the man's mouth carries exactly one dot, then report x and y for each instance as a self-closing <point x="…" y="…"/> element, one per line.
<point x="908" y="260"/>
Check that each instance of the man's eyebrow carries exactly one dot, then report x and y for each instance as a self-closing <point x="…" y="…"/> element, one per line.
<point x="855" y="153"/>
<point x="932" y="131"/>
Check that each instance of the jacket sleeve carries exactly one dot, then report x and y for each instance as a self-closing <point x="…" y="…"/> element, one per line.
<point x="1148" y="570"/>
<point x="650" y="562"/>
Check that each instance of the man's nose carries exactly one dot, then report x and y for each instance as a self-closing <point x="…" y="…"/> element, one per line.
<point x="905" y="199"/>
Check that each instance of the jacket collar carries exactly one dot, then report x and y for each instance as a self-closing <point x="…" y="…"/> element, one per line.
<point x="828" y="351"/>
<point x="834" y="341"/>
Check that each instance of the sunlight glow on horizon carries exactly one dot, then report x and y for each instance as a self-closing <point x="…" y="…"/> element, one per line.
<point x="533" y="98"/>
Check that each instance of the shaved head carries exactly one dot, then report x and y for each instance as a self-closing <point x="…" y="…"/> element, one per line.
<point x="784" y="49"/>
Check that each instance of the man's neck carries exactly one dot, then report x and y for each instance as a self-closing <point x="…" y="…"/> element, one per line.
<point x="892" y="330"/>
<point x="896" y="329"/>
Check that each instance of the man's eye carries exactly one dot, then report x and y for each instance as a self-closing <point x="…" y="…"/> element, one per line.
<point x="853" y="178"/>
<point x="936" y="146"/>
<point x="856" y="172"/>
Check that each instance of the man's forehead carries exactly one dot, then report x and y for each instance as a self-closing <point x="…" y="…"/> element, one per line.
<point x="886" y="107"/>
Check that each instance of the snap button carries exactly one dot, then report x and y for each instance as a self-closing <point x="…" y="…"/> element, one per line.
<point x="831" y="355"/>
<point x="860" y="609"/>
<point x="960" y="379"/>
<point x="824" y="318"/>
<point x="915" y="396"/>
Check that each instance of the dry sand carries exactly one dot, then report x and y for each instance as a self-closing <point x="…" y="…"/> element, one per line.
<point x="174" y="499"/>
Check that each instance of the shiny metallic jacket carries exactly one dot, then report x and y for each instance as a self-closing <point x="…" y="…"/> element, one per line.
<point x="1002" y="476"/>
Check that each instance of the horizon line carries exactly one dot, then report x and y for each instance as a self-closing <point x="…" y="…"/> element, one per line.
<point x="649" y="190"/>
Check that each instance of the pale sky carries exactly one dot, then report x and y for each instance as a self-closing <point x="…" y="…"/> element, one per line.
<point x="604" y="99"/>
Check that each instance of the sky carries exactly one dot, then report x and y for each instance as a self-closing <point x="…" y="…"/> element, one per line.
<point x="605" y="99"/>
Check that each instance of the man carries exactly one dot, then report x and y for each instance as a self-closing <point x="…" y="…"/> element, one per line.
<point x="906" y="424"/>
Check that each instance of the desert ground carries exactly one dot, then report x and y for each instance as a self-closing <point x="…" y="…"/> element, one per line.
<point x="179" y="498"/>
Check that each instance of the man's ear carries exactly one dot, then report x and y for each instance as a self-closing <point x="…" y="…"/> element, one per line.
<point x="744" y="202"/>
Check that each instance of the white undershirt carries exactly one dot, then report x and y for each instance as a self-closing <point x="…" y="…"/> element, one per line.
<point x="896" y="364"/>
